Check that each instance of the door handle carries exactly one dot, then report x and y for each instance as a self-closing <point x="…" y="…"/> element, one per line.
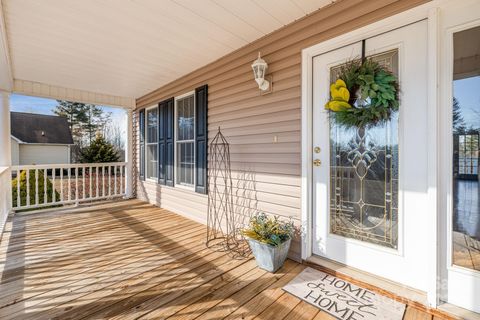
<point x="317" y="162"/>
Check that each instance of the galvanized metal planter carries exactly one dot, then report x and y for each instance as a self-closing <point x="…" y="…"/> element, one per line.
<point x="269" y="257"/>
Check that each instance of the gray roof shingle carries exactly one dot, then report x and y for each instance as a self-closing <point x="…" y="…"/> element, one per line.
<point x="40" y="128"/>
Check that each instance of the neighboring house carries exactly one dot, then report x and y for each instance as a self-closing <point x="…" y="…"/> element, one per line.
<point x="39" y="139"/>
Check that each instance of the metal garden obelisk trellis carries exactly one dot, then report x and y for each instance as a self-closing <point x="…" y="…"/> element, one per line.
<point x="222" y="229"/>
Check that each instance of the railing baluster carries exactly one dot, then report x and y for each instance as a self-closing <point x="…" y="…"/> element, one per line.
<point x="36" y="187"/>
<point x="61" y="184"/>
<point x="103" y="181"/>
<point x="69" y="183"/>
<point x="90" y="182"/>
<point x="115" y="177"/>
<point x="96" y="181"/>
<point x="121" y="179"/>
<point x="109" y="180"/>
<point x="28" y="187"/>
<point x="45" y="194"/>
<point x="83" y="184"/>
<point x="76" y="185"/>
<point x="53" y="186"/>
<point x="19" y="204"/>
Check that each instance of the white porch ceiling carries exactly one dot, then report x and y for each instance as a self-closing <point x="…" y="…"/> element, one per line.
<point x="127" y="48"/>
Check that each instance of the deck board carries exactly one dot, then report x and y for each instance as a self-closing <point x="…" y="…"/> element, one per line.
<point x="131" y="260"/>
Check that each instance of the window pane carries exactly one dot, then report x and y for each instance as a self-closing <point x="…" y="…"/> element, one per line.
<point x="185" y="118"/>
<point x="466" y="130"/>
<point x="185" y="163"/>
<point x="364" y="177"/>
<point x="152" y="122"/>
<point x="152" y="166"/>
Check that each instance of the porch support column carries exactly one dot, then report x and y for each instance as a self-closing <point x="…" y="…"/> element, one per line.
<point x="5" y="158"/>
<point x="129" y="155"/>
<point x="5" y="147"/>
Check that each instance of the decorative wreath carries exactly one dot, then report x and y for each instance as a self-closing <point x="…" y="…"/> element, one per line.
<point x="365" y="95"/>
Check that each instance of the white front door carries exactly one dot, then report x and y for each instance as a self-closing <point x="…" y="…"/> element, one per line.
<point x="370" y="189"/>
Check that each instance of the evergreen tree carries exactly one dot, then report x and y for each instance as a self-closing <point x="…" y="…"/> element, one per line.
<point x="99" y="150"/>
<point x="82" y="118"/>
<point x="459" y="125"/>
<point x="75" y="113"/>
<point x="96" y="120"/>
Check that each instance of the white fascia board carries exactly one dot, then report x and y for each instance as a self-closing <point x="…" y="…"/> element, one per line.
<point x="16" y="139"/>
<point x="38" y="89"/>
<point x="46" y="144"/>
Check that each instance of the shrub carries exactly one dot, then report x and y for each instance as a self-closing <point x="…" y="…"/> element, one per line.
<point x="271" y="231"/>
<point x="41" y="188"/>
<point x="100" y="150"/>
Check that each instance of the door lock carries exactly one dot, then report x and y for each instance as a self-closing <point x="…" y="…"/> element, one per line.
<point x="316" y="149"/>
<point x="317" y="162"/>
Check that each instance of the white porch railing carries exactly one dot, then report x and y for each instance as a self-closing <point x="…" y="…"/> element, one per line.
<point x="58" y="184"/>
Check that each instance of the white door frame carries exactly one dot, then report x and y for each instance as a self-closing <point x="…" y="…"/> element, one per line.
<point x="451" y="23"/>
<point x="426" y="11"/>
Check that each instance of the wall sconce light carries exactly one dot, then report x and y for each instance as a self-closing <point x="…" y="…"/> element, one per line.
<point x="259" y="67"/>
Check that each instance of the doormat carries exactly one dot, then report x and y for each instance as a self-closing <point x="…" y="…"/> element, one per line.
<point x="342" y="299"/>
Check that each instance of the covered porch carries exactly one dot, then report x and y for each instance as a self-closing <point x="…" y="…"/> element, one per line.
<point x="127" y="240"/>
<point x="121" y="261"/>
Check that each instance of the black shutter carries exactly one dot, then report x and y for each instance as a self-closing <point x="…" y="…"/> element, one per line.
<point x="201" y="139"/>
<point x="161" y="142"/>
<point x="165" y="142"/>
<point x="169" y="141"/>
<point x="141" y="128"/>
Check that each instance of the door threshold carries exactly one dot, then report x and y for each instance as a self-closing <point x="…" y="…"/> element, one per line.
<point x="388" y="288"/>
<point x="459" y="312"/>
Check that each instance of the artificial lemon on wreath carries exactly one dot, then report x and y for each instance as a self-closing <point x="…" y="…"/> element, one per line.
<point x="340" y="96"/>
<point x="376" y="95"/>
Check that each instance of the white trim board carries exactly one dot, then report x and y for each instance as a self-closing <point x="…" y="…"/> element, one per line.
<point x="175" y="141"/>
<point x="462" y="286"/>
<point x="426" y="11"/>
<point x="37" y="89"/>
<point x="155" y="179"/>
<point x="6" y="74"/>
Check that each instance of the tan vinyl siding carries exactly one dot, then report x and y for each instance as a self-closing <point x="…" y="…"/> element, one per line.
<point x="266" y="175"/>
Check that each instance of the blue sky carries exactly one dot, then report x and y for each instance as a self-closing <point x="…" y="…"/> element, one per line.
<point x="29" y="104"/>
<point x="467" y="91"/>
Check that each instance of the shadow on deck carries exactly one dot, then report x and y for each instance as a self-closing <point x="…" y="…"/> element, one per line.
<point x="131" y="260"/>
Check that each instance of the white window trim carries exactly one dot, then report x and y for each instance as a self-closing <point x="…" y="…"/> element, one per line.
<point x="147" y="178"/>
<point x="180" y="186"/>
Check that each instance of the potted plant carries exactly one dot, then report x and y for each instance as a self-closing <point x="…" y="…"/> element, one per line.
<point x="269" y="239"/>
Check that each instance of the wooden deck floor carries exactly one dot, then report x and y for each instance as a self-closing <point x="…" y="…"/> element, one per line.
<point x="130" y="260"/>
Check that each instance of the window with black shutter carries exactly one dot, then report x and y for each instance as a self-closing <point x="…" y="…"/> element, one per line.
<point x="181" y="141"/>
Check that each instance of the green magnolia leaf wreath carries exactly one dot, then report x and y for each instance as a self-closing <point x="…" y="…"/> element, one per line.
<point x="365" y="95"/>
